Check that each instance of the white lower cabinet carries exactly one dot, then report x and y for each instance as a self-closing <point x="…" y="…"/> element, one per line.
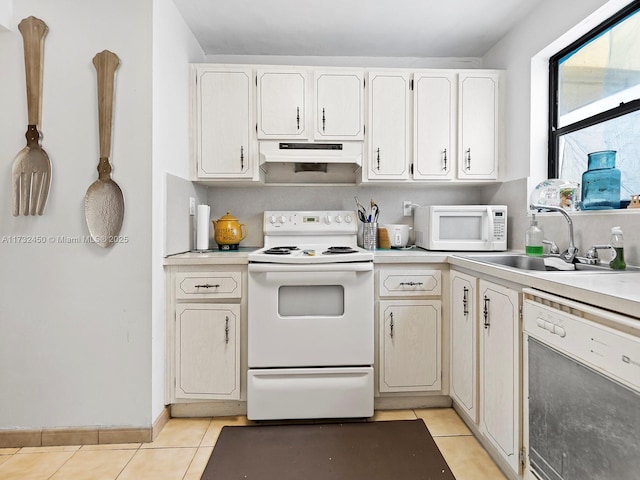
<point x="485" y="361"/>
<point x="463" y="360"/>
<point x="409" y="337"/>
<point x="204" y="333"/>
<point x="500" y="327"/>
<point x="207" y="354"/>
<point x="409" y="328"/>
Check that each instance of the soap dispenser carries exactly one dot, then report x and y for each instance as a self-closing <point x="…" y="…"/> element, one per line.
<point x="617" y="242"/>
<point x="533" y="239"/>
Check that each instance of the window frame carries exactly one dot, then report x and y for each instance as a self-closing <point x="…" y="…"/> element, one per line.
<point x="554" y="132"/>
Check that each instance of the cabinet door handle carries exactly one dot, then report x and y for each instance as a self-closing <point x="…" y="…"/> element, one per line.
<point x="226" y="330"/>
<point x="241" y="157"/>
<point x="323" y="120"/>
<point x="410" y="284"/>
<point x="485" y="312"/>
<point x="391" y="325"/>
<point x="444" y="160"/>
<point x="465" y="302"/>
<point x="207" y="285"/>
<point x="298" y="117"/>
<point x="378" y="158"/>
<point x="467" y="155"/>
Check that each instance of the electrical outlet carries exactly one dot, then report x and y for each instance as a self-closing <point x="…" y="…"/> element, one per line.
<point x="192" y="206"/>
<point x="406" y="208"/>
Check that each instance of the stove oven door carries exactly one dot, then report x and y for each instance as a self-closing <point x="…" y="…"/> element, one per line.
<point x="310" y="315"/>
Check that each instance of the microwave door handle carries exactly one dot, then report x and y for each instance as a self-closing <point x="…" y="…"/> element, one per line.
<point x="490" y="227"/>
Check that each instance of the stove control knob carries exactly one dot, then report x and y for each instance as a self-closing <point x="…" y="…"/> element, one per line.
<point x="348" y="219"/>
<point x="327" y="219"/>
<point x="282" y="219"/>
<point x="272" y="219"/>
<point x="338" y="219"/>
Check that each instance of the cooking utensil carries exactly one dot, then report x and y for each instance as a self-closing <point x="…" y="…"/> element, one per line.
<point x="104" y="202"/>
<point x="31" y="172"/>
<point x="374" y="212"/>
<point x="362" y="212"/>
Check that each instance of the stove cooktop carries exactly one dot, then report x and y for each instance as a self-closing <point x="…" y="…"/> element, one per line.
<point x="311" y="253"/>
<point x="310" y="236"/>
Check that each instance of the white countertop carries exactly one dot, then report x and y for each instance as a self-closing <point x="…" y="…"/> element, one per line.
<point x="211" y="257"/>
<point x="619" y="292"/>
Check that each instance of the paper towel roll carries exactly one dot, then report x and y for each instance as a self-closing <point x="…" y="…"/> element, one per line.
<point x="202" y="227"/>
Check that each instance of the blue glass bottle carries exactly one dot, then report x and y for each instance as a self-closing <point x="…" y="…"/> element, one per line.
<point x="601" y="182"/>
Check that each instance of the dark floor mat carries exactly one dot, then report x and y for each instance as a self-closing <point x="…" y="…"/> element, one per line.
<point x="389" y="450"/>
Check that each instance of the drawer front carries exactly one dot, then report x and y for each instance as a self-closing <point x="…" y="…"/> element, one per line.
<point x="409" y="283"/>
<point x="195" y="285"/>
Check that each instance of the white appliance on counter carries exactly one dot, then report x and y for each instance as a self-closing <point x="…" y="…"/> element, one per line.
<point x="461" y="227"/>
<point x="310" y="319"/>
<point x="582" y="382"/>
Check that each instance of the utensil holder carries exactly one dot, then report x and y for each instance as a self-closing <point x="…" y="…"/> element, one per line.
<point x="369" y="236"/>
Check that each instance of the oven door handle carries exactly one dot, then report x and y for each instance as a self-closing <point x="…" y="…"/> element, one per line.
<point x="307" y="267"/>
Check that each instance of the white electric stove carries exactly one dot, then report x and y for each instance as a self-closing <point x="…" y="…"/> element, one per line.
<point x="310" y="319"/>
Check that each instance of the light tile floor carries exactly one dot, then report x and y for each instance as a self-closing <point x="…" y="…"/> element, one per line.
<point x="182" y="449"/>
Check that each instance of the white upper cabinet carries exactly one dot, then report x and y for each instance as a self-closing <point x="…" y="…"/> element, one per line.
<point x="419" y="125"/>
<point x="389" y="122"/>
<point x="282" y="104"/>
<point x="478" y="94"/>
<point x="223" y="106"/>
<point x="310" y="105"/>
<point x="339" y="105"/>
<point x="434" y="114"/>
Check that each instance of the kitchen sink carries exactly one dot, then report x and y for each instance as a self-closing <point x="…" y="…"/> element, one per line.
<point x="546" y="264"/>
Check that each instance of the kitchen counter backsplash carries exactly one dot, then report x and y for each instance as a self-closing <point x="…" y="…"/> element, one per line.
<point x="249" y="203"/>
<point x="594" y="229"/>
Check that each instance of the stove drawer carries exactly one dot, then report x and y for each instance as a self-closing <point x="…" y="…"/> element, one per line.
<point x="291" y="393"/>
<point x="208" y="285"/>
<point x="394" y="283"/>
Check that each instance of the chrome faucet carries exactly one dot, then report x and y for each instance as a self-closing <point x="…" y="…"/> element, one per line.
<point x="569" y="255"/>
<point x="592" y="257"/>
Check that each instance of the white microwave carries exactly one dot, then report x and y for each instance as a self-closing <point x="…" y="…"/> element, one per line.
<point x="461" y="227"/>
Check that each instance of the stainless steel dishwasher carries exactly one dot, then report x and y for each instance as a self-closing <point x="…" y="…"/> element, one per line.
<point x="581" y="391"/>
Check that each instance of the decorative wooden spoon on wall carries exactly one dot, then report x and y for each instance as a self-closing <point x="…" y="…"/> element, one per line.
<point x="104" y="202"/>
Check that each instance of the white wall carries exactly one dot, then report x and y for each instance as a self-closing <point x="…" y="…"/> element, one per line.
<point x="75" y="347"/>
<point x="5" y="14"/>
<point x="174" y="47"/>
<point x="513" y="53"/>
<point x="370" y="62"/>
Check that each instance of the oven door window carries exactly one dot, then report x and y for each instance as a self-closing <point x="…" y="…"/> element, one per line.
<point x="311" y="300"/>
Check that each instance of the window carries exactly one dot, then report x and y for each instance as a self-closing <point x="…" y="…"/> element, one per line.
<point x="595" y="101"/>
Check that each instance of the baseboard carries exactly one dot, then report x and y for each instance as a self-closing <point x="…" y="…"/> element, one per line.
<point x="160" y="422"/>
<point x="48" y="437"/>
<point x="225" y="408"/>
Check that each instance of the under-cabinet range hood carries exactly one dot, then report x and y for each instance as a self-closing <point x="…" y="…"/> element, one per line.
<point x="300" y="163"/>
